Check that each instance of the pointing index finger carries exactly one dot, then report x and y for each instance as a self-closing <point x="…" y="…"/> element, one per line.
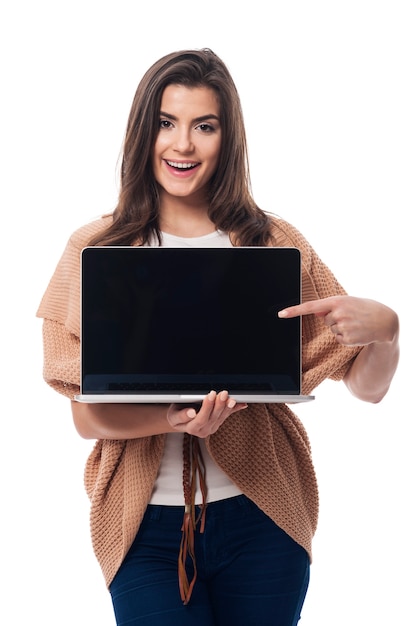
<point x="315" y="307"/>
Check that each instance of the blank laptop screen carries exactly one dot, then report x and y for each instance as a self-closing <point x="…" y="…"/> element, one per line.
<point x="189" y="319"/>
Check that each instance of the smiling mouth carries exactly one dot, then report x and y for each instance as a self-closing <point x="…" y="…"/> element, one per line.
<point x="182" y="165"/>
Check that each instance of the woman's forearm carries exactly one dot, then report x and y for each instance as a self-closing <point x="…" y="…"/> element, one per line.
<point x="120" y="421"/>
<point x="372" y="371"/>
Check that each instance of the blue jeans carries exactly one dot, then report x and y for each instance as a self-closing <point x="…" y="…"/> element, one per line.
<point x="250" y="572"/>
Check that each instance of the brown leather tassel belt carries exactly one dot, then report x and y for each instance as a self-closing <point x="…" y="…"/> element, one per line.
<point x="193" y="470"/>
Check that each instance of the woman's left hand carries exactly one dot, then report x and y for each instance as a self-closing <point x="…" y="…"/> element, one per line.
<point x="353" y="321"/>
<point x="360" y="322"/>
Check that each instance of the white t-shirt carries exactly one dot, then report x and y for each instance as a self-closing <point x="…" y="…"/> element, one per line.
<point x="168" y="489"/>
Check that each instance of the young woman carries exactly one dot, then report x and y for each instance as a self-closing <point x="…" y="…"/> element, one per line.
<point x="185" y="182"/>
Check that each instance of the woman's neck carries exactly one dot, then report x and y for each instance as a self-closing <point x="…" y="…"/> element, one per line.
<point x="184" y="219"/>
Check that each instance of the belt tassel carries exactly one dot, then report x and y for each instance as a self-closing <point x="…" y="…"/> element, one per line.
<point x="193" y="469"/>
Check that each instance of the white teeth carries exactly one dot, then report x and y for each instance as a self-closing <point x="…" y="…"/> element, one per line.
<point x="181" y="166"/>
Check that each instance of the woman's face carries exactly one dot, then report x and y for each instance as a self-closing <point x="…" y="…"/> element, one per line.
<point x="187" y="147"/>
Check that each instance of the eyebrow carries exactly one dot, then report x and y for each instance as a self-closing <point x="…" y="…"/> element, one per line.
<point x="202" y="118"/>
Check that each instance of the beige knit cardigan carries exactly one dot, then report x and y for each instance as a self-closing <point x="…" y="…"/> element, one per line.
<point x="264" y="450"/>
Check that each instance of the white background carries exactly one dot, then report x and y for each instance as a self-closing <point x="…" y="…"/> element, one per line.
<point x="329" y="95"/>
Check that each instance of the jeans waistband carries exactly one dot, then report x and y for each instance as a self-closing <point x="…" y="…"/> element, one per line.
<point x="218" y="507"/>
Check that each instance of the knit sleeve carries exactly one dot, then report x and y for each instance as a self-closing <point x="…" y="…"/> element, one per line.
<point x="61" y="300"/>
<point x="60" y="310"/>
<point x="61" y="362"/>
<point x="323" y="356"/>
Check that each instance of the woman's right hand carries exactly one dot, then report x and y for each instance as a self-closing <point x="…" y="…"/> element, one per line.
<point x="207" y="418"/>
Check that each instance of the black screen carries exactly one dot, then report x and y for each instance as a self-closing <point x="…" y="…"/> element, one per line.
<point x="189" y="319"/>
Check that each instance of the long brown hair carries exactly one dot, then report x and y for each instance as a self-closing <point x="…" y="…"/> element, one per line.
<point x="231" y="206"/>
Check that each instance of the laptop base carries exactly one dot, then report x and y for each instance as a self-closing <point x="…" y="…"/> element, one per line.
<point x="186" y="398"/>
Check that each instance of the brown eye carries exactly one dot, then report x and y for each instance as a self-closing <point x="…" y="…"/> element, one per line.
<point x="206" y="128"/>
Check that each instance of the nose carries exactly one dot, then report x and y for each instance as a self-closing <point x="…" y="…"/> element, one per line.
<point x="183" y="140"/>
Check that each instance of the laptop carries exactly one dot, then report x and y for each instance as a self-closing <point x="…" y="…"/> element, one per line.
<point x="168" y="325"/>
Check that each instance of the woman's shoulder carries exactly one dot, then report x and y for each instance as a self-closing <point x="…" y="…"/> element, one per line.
<point x="286" y="234"/>
<point x="82" y="235"/>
